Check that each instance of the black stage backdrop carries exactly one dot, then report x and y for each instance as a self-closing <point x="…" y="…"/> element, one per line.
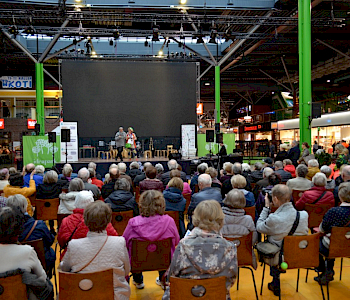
<point x="155" y="98"/>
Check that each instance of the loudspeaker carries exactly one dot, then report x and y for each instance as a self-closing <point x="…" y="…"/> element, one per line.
<point x="219" y="138"/>
<point x="65" y="135"/>
<point x="176" y="156"/>
<point x="52" y="137"/>
<point x="217" y="127"/>
<point x="316" y="110"/>
<point x="37" y="128"/>
<point x="209" y="136"/>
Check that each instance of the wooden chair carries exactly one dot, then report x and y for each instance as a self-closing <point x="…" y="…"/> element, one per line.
<point x="250" y="211"/>
<point x="32" y="199"/>
<point x="188" y="201"/>
<point x="169" y="148"/>
<point x="38" y="246"/>
<point x="245" y="255"/>
<point x="137" y="194"/>
<point x="65" y="191"/>
<point x="175" y="216"/>
<point x="252" y="185"/>
<point x="60" y="217"/>
<point x="147" y="154"/>
<point x="300" y="252"/>
<point x="12" y="288"/>
<point x="150" y="256"/>
<point x="316" y="213"/>
<point x="120" y="220"/>
<point x="296" y="195"/>
<point x="214" y="288"/>
<point x="196" y="188"/>
<point x="96" y="285"/>
<point x="47" y="208"/>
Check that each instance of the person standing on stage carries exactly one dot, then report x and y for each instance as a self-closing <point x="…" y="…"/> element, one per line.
<point x="131" y="141"/>
<point x="120" y="138"/>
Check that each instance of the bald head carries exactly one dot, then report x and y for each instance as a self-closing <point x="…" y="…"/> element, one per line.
<point x="282" y="192"/>
<point x="345" y="174"/>
<point x="30" y="168"/>
<point x="114" y="173"/>
<point x="204" y="181"/>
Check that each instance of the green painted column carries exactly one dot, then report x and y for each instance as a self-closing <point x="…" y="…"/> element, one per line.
<point x="305" y="91"/>
<point x="40" y="113"/>
<point x="217" y="94"/>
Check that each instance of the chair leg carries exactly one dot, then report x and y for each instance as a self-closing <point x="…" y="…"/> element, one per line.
<point x="262" y="280"/>
<point x="318" y="274"/>
<point x="327" y="290"/>
<point x="238" y="279"/>
<point x="256" y="291"/>
<point x="341" y="268"/>
<point x="307" y="274"/>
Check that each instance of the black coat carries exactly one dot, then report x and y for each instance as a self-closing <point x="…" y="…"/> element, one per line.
<point x="282" y="155"/>
<point x="122" y="201"/>
<point x="48" y="191"/>
<point x="133" y="173"/>
<point x="107" y="189"/>
<point x="294" y="154"/>
<point x="166" y="177"/>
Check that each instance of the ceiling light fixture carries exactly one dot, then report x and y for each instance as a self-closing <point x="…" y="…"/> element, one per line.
<point x="183" y="2"/>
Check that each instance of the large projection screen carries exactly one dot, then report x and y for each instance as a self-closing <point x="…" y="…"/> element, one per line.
<point x="155" y="98"/>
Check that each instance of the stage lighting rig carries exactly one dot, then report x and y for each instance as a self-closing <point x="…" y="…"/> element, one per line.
<point x="116" y="34"/>
<point x="29" y="30"/>
<point x="213" y="36"/>
<point x="155" y="35"/>
<point x="13" y="30"/>
<point x="200" y="40"/>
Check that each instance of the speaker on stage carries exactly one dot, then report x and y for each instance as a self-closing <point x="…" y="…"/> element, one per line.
<point x="316" y="110"/>
<point x="176" y="156"/>
<point x="52" y="137"/>
<point x="37" y="128"/>
<point x="219" y="138"/>
<point x="65" y="135"/>
<point x="209" y="136"/>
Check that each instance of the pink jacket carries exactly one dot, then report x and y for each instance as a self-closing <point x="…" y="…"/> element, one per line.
<point x="312" y="195"/>
<point x="153" y="228"/>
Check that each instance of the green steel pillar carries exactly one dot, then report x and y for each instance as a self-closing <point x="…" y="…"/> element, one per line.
<point x="40" y="114"/>
<point x="217" y="98"/>
<point x="305" y="92"/>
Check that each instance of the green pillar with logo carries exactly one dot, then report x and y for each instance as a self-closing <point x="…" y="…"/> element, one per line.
<point x="305" y="92"/>
<point x="40" y="112"/>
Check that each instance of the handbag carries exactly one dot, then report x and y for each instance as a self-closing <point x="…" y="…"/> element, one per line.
<point x="127" y="145"/>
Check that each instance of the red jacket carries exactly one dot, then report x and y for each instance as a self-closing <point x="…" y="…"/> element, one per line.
<point x="97" y="182"/>
<point x="76" y="220"/>
<point x="290" y="169"/>
<point x="312" y="195"/>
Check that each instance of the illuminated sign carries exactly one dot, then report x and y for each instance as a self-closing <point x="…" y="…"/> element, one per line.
<point x="257" y="127"/>
<point x="31" y="123"/>
<point x="199" y="108"/>
<point x="2" y="124"/>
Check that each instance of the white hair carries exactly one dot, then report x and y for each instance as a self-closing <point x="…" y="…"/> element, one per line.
<point x="283" y="146"/>
<point x="159" y="168"/>
<point x="113" y="166"/>
<point x="202" y="168"/>
<point x="40" y="169"/>
<point x="172" y="164"/>
<point x="205" y="180"/>
<point x="84" y="174"/>
<point x="92" y="165"/>
<point x="319" y="179"/>
<point x="246" y="167"/>
<point x="18" y="201"/>
<point x="313" y="163"/>
<point x="134" y="165"/>
<point x="122" y="167"/>
<point x="267" y="172"/>
<point x="67" y="170"/>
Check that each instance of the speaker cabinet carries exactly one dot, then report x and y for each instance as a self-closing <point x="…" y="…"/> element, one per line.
<point x="219" y="138"/>
<point x="209" y="136"/>
<point x="52" y="137"/>
<point x="65" y="135"/>
<point x="316" y="110"/>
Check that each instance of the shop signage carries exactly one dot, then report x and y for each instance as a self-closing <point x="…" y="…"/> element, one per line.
<point x="16" y="82"/>
<point x="2" y="124"/>
<point x="257" y="127"/>
<point x="199" y="108"/>
<point x="31" y="123"/>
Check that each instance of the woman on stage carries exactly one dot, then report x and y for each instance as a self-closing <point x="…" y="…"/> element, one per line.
<point x="131" y="141"/>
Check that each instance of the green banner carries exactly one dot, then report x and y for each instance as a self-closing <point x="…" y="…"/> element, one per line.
<point x="38" y="150"/>
<point x="204" y="147"/>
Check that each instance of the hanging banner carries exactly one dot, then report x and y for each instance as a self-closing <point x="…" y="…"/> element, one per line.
<point x="38" y="150"/>
<point x="16" y="82"/>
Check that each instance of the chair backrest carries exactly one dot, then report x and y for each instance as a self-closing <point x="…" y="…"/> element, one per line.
<point x="137" y="194"/>
<point x="38" y="246"/>
<point x="340" y="242"/>
<point x="32" y="199"/>
<point x="213" y="288"/>
<point x="60" y="217"/>
<point x="250" y="211"/>
<point x="301" y="251"/>
<point x="244" y="246"/>
<point x="175" y="216"/>
<point x="188" y="201"/>
<point x="296" y="195"/>
<point x="316" y="213"/>
<point x="150" y="256"/>
<point x="196" y="188"/>
<point x="252" y="185"/>
<point x="47" y="208"/>
<point x="121" y="219"/>
<point x="12" y="288"/>
<point x="64" y="190"/>
<point x="96" y="285"/>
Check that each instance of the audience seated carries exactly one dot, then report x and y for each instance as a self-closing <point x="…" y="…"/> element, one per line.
<point x="160" y="171"/>
<point x="151" y="225"/>
<point x="278" y="225"/>
<point x="289" y="167"/>
<point x="49" y="189"/>
<point x="92" y="165"/>
<point x="84" y="175"/>
<point x="72" y="174"/>
<point x="174" y="201"/>
<point x="66" y="177"/>
<point x="39" y="170"/>
<point x="263" y="182"/>
<point x="246" y="171"/>
<point x="112" y="253"/>
<point x="300" y="183"/>
<point x="335" y="217"/>
<point x="122" y="172"/>
<point x="239" y="182"/>
<point x="257" y="174"/>
<point x="216" y="183"/>
<point x="122" y="199"/>
<point x="283" y="154"/>
<point x="201" y="169"/>
<point x="186" y="186"/>
<point x="172" y="165"/>
<point x="3" y="201"/>
<point x="4" y="176"/>
<point x="108" y="187"/>
<point x="12" y="170"/>
<point x="67" y="200"/>
<point x="15" y="187"/>
<point x="226" y="172"/>
<point x="28" y="171"/>
<point x="285" y="176"/>
<point x="134" y="170"/>
<point x="345" y="177"/>
<point x="313" y="168"/>
<point x="204" y="253"/>
<point x="142" y="176"/>
<point x="294" y="153"/>
<point x="15" y="256"/>
<point x="317" y="194"/>
<point x="40" y="231"/>
<point x="330" y="182"/>
<point x="151" y="182"/>
<point x="73" y="226"/>
<point x="93" y="178"/>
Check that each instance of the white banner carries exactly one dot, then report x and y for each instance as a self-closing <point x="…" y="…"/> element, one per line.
<point x="188" y="137"/>
<point x="72" y="146"/>
<point x="16" y="82"/>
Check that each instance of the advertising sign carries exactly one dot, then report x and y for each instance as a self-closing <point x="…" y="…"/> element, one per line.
<point x="31" y="124"/>
<point x="16" y="82"/>
<point x="2" y="124"/>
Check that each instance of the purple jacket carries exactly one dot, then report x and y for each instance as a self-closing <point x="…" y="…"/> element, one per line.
<point x="153" y="228"/>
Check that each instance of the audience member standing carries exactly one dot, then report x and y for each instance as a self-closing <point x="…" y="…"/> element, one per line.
<point x="294" y="153"/>
<point x="120" y="138"/>
<point x="131" y="141"/>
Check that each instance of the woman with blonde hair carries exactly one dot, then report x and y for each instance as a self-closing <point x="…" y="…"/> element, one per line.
<point x="204" y="253"/>
<point x="131" y="141"/>
<point x="343" y="156"/>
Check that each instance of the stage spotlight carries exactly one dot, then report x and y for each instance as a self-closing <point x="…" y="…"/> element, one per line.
<point x="155" y="36"/>
<point x="13" y="30"/>
<point x="116" y="34"/>
<point x="146" y="43"/>
<point x="200" y="40"/>
<point x="93" y="53"/>
<point x="160" y="53"/>
<point x="213" y="35"/>
<point x="183" y="2"/>
<point x="111" y="42"/>
<point x="29" y="30"/>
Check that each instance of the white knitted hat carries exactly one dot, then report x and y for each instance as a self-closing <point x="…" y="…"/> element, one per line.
<point x="83" y="199"/>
